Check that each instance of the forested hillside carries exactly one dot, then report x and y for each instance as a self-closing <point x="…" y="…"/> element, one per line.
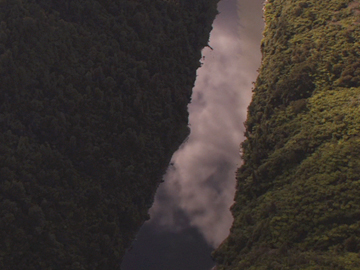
<point x="298" y="190"/>
<point x="93" y="103"/>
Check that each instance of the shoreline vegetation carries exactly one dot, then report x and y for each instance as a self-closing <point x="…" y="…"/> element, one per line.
<point x="298" y="197"/>
<point x="93" y="102"/>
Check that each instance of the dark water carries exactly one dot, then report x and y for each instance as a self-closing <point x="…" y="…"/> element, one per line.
<point x="163" y="250"/>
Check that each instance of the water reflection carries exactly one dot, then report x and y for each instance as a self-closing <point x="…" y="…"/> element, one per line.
<point x="191" y="214"/>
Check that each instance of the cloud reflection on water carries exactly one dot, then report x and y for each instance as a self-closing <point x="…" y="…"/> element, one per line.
<point x="199" y="187"/>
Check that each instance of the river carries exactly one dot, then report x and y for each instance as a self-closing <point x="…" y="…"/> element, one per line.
<point x="190" y="216"/>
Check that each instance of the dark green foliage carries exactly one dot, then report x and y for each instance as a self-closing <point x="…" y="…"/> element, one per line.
<point x="298" y="197"/>
<point x="93" y="103"/>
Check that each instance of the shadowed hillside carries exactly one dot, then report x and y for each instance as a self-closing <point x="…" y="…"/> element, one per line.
<point x="298" y="190"/>
<point x="93" y="103"/>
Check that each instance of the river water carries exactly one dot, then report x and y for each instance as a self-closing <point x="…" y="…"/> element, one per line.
<point x="190" y="216"/>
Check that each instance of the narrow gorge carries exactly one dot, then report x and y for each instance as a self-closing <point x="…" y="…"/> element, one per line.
<point x="95" y="100"/>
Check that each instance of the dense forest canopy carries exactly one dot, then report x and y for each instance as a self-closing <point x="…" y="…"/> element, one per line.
<point x="298" y="196"/>
<point x="93" y="103"/>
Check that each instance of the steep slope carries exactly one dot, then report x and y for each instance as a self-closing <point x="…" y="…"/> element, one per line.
<point x="93" y="103"/>
<point x="298" y="190"/>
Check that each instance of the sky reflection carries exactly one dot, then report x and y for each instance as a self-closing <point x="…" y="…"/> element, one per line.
<point x="199" y="187"/>
<point x="202" y="180"/>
